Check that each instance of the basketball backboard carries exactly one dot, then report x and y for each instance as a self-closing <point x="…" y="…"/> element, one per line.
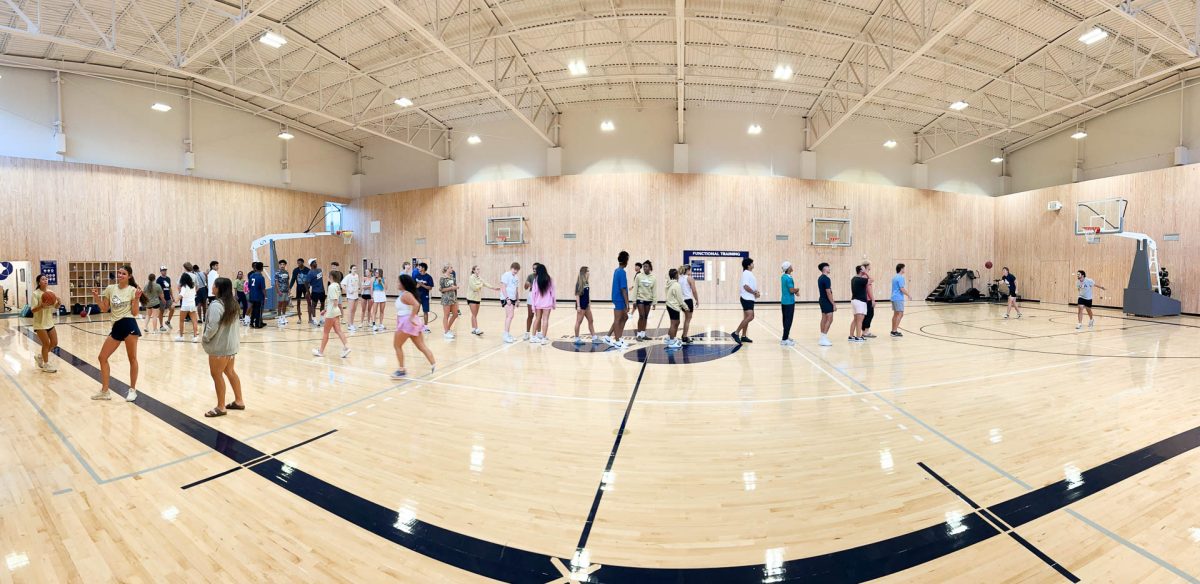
<point x="1105" y="216"/>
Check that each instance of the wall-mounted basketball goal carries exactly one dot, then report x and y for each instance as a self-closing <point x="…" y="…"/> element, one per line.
<point x="505" y="231"/>
<point x="831" y="232"/>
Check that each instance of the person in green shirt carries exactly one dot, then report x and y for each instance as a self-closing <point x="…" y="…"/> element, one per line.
<point x="122" y="299"/>
<point x="43" y="324"/>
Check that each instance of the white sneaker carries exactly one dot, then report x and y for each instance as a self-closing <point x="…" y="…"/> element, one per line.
<point x="352" y="328"/>
<point x="1091" y="323"/>
<point x="345" y="352"/>
<point x="37" y="360"/>
<point x="195" y="338"/>
<point x="163" y="329"/>
<point x="427" y="331"/>
<point x="449" y="336"/>
<point x="49" y="368"/>
<point x="621" y="345"/>
<point x="317" y="353"/>
<point x="508" y="338"/>
<point x="132" y="395"/>
<point x="1018" y="315"/>
<point x="526" y="337"/>
<point x="596" y="340"/>
<point x="607" y="340"/>
<point x="824" y="341"/>
<point x="578" y="341"/>
<point x="178" y="338"/>
<point x="1079" y="327"/>
<point x="1006" y="317"/>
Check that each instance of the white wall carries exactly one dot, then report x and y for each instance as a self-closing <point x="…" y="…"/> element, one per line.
<point x="719" y="144"/>
<point x="111" y="123"/>
<point x="642" y="142"/>
<point x="1131" y="139"/>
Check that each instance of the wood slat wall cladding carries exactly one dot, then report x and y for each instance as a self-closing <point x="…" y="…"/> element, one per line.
<point x="1041" y="248"/>
<point x="657" y="216"/>
<point x="82" y="212"/>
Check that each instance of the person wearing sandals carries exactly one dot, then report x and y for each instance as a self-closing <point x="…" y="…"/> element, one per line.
<point x="583" y="306"/>
<point x="221" y="343"/>
<point x="331" y="317"/>
<point x="448" y="286"/>
<point x="475" y="286"/>
<point x="409" y="325"/>
<point x="122" y="298"/>
<point x="43" y="325"/>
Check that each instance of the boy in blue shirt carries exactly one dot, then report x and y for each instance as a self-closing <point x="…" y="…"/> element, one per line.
<point x="899" y="293"/>
<point x="620" y="300"/>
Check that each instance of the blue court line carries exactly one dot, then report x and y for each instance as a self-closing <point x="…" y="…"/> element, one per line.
<point x="1143" y="552"/>
<point x="62" y="491"/>
<point x="62" y="437"/>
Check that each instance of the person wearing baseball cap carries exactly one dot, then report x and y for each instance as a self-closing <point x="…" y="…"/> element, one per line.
<point x="164" y="282"/>
<point x="787" y="302"/>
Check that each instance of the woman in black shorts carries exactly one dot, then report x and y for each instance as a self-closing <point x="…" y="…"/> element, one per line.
<point x="122" y="298"/>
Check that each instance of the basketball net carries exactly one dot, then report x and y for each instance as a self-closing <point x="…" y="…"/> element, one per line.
<point x="1092" y="234"/>
<point x="833" y="240"/>
<point x="347" y="236"/>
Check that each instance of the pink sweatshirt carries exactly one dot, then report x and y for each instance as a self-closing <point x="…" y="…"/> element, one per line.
<point x="541" y="301"/>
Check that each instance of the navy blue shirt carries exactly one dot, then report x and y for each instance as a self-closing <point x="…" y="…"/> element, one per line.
<point x="1011" y="280"/>
<point x="424" y="279"/>
<point x="164" y="282"/>
<point x="315" y="281"/>
<point x="257" y="284"/>
<point x="824" y="284"/>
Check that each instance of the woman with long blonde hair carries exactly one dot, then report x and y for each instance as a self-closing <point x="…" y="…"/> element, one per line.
<point x="475" y="286"/>
<point x="583" y="305"/>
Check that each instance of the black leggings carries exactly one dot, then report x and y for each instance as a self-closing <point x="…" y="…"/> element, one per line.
<point x="869" y="317"/>
<point x="789" y="313"/>
<point x="241" y="299"/>
<point x="256" y="314"/>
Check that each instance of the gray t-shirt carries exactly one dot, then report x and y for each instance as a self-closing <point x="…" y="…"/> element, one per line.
<point x="1085" y="288"/>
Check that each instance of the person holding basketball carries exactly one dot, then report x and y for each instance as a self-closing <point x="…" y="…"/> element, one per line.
<point x="1011" y="281"/>
<point x="44" y="304"/>
<point x="1085" y="285"/>
<point x="122" y="298"/>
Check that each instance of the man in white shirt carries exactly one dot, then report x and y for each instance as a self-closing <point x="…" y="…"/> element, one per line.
<point x="508" y="297"/>
<point x="212" y="279"/>
<point x="748" y="292"/>
<point x="1085" y="284"/>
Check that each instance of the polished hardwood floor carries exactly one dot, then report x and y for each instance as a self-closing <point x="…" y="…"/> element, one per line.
<point x="973" y="449"/>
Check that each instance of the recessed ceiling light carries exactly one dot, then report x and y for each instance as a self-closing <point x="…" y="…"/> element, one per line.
<point x="286" y="135"/>
<point x="754" y="129"/>
<point x="403" y="102"/>
<point x="1093" y="36"/>
<point x="889" y="144"/>
<point x="998" y="159"/>
<point x="959" y="105"/>
<point x="273" y="40"/>
<point x="607" y="126"/>
<point x="783" y="72"/>
<point x="474" y="139"/>
<point x="160" y="107"/>
<point x="1079" y="135"/>
<point x="577" y="67"/>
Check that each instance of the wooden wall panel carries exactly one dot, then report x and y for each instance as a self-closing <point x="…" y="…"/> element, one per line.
<point x="1043" y="251"/>
<point x="81" y="212"/>
<point x="657" y="216"/>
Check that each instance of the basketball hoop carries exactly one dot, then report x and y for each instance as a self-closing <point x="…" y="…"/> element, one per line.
<point x="347" y="236"/>
<point x="503" y="239"/>
<point x="1092" y="234"/>
<point x="833" y="239"/>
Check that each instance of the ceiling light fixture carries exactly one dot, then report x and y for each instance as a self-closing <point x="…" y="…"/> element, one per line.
<point x="273" y="40"/>
<point x="997" y="159"/>
<point x="1093" y="36"/>
<point x="160" y="107"/>
<point x="783" y="72"/>
<point x="607" y="126"/>
<point x="403" y="102"/>
<point x="1079" y="134"/>
<point x="754" y="129"/>
<point x="889" y="144"/>
<point x="577" y="67"/>
<point x="474" y="139"/>
<point x="959" y="105"/>
<point x="286" y="135"/>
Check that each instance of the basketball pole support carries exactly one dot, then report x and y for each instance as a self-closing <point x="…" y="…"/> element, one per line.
<point x="269" y="241"/>
<point x="1143" y="296"/>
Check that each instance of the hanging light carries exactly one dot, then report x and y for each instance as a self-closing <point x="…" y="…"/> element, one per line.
<point x="286" y="135"/>
<point x="889" y="144"/>
<point x="754" y="129"/>
<point x="783" y="72"/>
<point x="997" y="159"/>
<point x="403" y="102"/>
<point x="1079" y="134"/>
<point x="607" y="126"/>
<point x="272" y="39"/>
<point x="1093" y="36"/>
<point x="160" y="107"/>
<point x="474" y="139"/>
<point x="577" y="67"/>
<point x="959" y="105"/>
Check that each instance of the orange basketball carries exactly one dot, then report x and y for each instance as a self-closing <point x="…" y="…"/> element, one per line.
<point x="49" y="299"/>
<point x="988" y="264"/>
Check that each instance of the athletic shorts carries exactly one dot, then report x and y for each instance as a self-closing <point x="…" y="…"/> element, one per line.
<point x="424" y="304"/>
<point x="1085" y="302"/>
<point x="689" y="304"/>
<point x="897" y="306"/>
<point x="202" y="295"/>
<point x="405" y="325"/>
<point x="506" y="301"/>
<point x="747" y="304"/>
<point x="379" y="296"/>
<point x="123" y="328"/>
<point x="365" y="296"/>
<point x="449" y="300"/>
<point x="859" y="306"/>
<point x="317" y="297"/>
<point x="645" y="302"/>
<point x="281" y="297"/>
<point x="470" y="302"/>
<point x="672" y="313"/>
<point x="167" y="299"/>
<point x="826" y="306"/>
<point x="619" y="304"/>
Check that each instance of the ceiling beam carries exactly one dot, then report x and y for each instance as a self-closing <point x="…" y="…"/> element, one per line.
<point x="418" y="29"/>
<point x="1143" y="79"/>
<point x="243" y="19"/>
<point x="183" y="73"/>
<point x="959" y="19"/>
<point x="1132" y="19"/>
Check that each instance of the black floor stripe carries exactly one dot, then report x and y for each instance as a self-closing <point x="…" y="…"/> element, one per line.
<point x="299" y="444"/>
<point x="975" y="508"/>
<point x="865" y="562"/>
<point x="253" y="462"/>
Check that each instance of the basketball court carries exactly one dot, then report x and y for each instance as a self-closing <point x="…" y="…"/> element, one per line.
<point x="993" y="202"/>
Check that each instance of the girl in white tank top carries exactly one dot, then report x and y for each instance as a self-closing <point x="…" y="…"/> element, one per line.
<point x="685" y="285"/>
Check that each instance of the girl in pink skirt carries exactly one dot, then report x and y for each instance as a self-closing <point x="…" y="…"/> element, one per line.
<point x="409" y="325"/>
<point x="541" y="300"/>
